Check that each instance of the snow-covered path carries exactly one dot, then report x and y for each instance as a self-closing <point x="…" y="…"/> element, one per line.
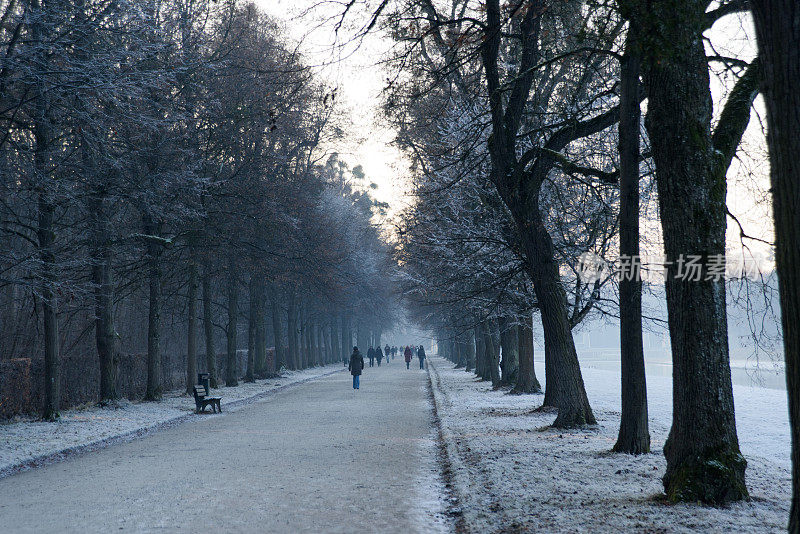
<point x="317" y="457"/>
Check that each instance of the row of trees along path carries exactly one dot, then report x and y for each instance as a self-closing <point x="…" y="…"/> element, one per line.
<point x="163" y="179"/>
<point x="523" y="120"/>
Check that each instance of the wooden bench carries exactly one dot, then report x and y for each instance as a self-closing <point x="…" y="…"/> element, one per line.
<point x="202" y="399"/>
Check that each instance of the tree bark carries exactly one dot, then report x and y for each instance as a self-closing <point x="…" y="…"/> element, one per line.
<point x="454" y="348"/>
<point x="564" y="380"/>
<point x="313" y="341"/>
<point x="350" y="336"/>
<point x="492" y="350"/>
<point x="102" y="265"/>
<point x="46" y="235"/>
<point x="52" y="379"/>
<point x="231" y="378"/>
<point x="509" y="342"/>
<point x="526" y="381"/>
<point x="327" y="334"/>
<point x="154" y="386"/>
<point x="778" y="31"/>
<point x="702" y="450"/>
<point x="291" y="322"/>
<point x="347" y="338"/>
<point x="634" y="433"/>
<point x="260" y="366"/>
<point x="363" y="338"/>
<point x="481" y="363"/>
<point x="250" y="373"/>
<point x="277" y="328"/>
<point x="208" y="328"/>
<point x="471" y="351"/>
<point x="191" y="338"/>
<point x="304" y="338"/>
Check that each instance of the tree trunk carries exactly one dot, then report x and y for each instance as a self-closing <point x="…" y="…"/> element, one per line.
<point x="208" y="328"/>
<point x="313" y="342"/>
<point x="634" y="433"/>
<point x="260" y="366"/>
<point x="564" y="380"/>
<point x="102" y="266"/>
<point x="347" y="338"/>
<point x="519" y="188"/>
<point x="702" y="450"/>
<point x="304" y="344"/>
<point x="470" y="349"/>
<point x="319" y="342"/>
<point x="191" y="338"/>
<point x="778" y="31"/>
<point x="492" y="350"/>
<point x="481" y="365"/>
<point x="326" y="336"/>
<point x="250" y="372"/>
<point x="350" y="336"/>
<point x="231" y="378"/>
<point x="46" y="235"/>
<point x="363" y="338"/>
<point x="277" y="328"/>
<point x="52" y="389"/>
<point x="526" y="379"/>
<point x="509" y="365"/>
<point x="154" y="387"/>
<point x="291" y="323"/>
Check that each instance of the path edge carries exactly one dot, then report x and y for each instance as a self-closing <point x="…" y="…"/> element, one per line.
<point x="132" y="435"/>
<point x="449" y="459"/>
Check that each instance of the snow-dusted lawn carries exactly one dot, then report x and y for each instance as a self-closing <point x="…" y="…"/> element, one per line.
<point x="27" y="442"/>
<point x="514" y="473"/>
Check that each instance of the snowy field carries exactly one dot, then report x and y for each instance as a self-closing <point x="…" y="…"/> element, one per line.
<point x="26" y="443"/>
<point x="514" y="473"/>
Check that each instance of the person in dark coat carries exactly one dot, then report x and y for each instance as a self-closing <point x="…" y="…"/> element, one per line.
<point x="356" y="366"/>
<point x="379" y="355"/>
<point x="387" y="350"/>
<point x="371" y="356"/>
<point x="421" y="356"/>
<point x="407" y="355"/>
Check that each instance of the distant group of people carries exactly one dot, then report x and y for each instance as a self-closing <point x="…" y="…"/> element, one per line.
<point x="356" y="364"/>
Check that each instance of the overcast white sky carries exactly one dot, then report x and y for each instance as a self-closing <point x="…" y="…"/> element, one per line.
<point x="360" y="81"/>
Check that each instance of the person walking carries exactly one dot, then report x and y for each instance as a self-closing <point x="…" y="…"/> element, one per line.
<point x="407" y="355"/>
<point x="421" y="356"/>
<point x="356" y="366"/>
<point x="371" y="356"/>
<point x="387" y="350"/>
<point x="379" y="355"/>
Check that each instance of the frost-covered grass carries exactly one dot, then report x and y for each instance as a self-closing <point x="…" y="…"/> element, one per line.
<point x="26" y="442"/>
<point x="514" y="473"/>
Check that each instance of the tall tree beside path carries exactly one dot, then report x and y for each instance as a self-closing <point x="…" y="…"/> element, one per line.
<point x="634" y="433"/>
<point x="702" y="451"/>
<point x="778" y="31"/>
<point x="46" y="189"/>
<point x="519" y="181"/>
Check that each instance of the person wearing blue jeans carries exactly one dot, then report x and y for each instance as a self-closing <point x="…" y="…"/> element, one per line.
<point x="356" y="366"/>
<point x="421" y="356"/>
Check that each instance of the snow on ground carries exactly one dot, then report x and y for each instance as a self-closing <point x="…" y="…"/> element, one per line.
<point x="515" y="473"/>
<point x="26" y="442"/>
